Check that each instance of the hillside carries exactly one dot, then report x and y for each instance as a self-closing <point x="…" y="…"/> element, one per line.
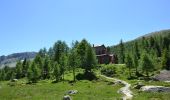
<point x="162" y="33"/>
<point x="159" y="37"/>
<point x="11" y="59"/>
<point x="155" y="45"/>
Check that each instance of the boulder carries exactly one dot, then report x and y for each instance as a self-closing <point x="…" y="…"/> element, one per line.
<point x="163" y="76"/>
<point x="72" y="92"/>
<point x="14" y="80"/>
<point x="155" y="89"/>
<point x="67" y="97"/>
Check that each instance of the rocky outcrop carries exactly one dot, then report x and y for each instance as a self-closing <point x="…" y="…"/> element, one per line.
<point x="163" y="76"/>
<point x="155" y="89"/>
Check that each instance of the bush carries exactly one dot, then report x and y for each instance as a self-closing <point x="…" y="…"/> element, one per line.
<point x="113" y="70"/>
<point x="86" y="76"/>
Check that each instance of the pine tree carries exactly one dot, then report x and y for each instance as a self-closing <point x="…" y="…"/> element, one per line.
<point x="56" y="72"/>
<point x="90" y="59"/>
<point x="81" y="50"/>
<point x="146" y="64"/>
<point x="74" y="61"/>
<point x="33" y="73"/>
<point x="46" y="68"/>
<point x="129" y="63"/>
<point x="63" y="61"/>
<point x="121" y="52"/>
<point x="18" y="70"/>
<point x="59" y="48"/>
<point x="2" y="74"/>
<point x="165" y="59"/>
<point x="24" y="68"/>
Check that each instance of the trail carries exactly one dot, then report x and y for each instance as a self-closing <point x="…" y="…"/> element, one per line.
<point x="127" y="93"/>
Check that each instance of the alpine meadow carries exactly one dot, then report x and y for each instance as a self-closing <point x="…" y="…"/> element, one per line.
<point x="84" y="50"/>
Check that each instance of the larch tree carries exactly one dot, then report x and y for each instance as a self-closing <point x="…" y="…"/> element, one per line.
<point x="121" y="52"/>
<point x="129" y="63"/>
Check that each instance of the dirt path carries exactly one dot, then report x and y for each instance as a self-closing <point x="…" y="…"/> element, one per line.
<point x="124" y="90"/>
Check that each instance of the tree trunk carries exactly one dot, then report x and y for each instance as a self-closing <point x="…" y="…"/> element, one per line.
<point x="129" y="72"/>
<point x="74" y="74"/>
<point x="63" y="76"/>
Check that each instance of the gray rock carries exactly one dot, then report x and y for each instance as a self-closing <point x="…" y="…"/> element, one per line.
<point x="67" y="97"/>
<point x="155" y="89"/>
<point x="164" y="75"/>
<point x="14" y="80"/>
<point x="72" y="92"/>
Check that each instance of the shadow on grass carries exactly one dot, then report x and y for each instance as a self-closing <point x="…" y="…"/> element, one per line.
<point x="86" y="76"/>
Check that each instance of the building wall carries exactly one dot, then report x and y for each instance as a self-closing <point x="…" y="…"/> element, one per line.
<point x="103" y="56"/>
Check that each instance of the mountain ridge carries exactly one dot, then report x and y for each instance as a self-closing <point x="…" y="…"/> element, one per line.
<point x="10" y="60"/>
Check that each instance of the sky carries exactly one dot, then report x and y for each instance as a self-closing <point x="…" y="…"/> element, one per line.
<point x="28" y="25"/>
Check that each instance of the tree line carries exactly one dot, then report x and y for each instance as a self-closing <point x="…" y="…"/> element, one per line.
<point x="145" y="55"/>
<point x="53" y="63"/>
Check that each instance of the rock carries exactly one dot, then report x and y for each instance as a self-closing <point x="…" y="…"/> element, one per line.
<point x="72" y="92"/>
<point x="138" y="85"/>
<point x="67" y="97"/>
<point x="14" y="80"/>
<point x="155" y="89"/>
<point x="163" y="76"/>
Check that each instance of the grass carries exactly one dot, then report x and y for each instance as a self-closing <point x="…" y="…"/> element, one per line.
<point x="150" y="96"/>
<point x="101" y="89"/>
<point x="46" y="90"/>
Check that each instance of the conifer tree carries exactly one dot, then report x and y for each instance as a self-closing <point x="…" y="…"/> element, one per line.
<point x="146" y="63"/>
<point x="121" y="52"/>
<point x="18" y="70"/>
<point x="33" y="73"/>
<point x="129" y="63"/>
<point x="56" y="72"/>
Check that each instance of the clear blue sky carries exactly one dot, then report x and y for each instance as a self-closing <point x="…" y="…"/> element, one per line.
<point x="28" y="25"/>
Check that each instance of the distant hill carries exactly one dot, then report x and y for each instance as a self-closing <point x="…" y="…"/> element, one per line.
<point x="162" y="33"/>
<point x="10" y="60"/>
<point x="155" y="41"/>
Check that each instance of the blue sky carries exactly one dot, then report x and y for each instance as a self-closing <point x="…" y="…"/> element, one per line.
<point x="28" y="25"/>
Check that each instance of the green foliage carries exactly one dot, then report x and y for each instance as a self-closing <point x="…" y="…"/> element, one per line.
<point x="121" y="53"/>
<point x="18" y="70"/>
<point x="33" y="73"/>
<point x="114" y="70"/>
<point x="63" y="61"/>
<point x="73" y="61"/>
<point x="81" y="50"/>
<point x="108" y="70"/>
<point x="59" y="48"/>
<point x="129" y="63"/>
<point x="90" y="58"/>
<point x="146" y="64"/>
<point x="57" y="72"/>
<point x="46" y="68"/>
<point x="25" y="66"/>
<point x="153" y="45"/>
<point x="87" y="56"/>
<point x="165" y="59"/>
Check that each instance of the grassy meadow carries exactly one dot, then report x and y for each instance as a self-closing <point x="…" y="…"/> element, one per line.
<point x="46" y="90"/>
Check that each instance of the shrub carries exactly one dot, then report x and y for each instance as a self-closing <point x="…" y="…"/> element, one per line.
<point x="112" y="70"/>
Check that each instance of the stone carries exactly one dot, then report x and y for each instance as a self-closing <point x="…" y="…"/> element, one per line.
<point x="14" y="80"/>
<point x="67" y="97"/>
<point x="72" y="92"/>
<point x="155" y="89"/>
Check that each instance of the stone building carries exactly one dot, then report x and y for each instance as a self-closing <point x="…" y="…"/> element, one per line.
<point x="103" y="56"/>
